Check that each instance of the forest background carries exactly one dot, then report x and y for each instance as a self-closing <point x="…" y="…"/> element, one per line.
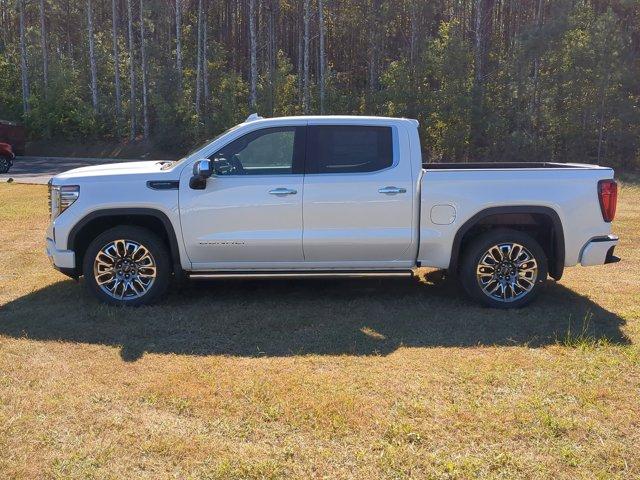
<point x="489" y="80"/>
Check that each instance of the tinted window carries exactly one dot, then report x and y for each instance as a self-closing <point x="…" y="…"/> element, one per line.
<point x="270" y="151"/>
<point x="349" y="149"/>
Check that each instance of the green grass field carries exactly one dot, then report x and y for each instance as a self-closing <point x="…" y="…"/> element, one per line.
<point x="316" y="378"/>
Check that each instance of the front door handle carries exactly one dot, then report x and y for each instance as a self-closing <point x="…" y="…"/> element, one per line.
<point x="283" y="191"/>
<point x="392" y="190"/>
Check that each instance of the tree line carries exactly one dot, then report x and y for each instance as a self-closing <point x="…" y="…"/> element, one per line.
<point x="489" y="80"/>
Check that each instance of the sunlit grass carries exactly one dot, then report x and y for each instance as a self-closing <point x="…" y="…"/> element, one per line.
<point x="316" y="379"/>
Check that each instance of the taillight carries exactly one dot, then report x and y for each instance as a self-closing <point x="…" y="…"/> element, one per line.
<point x="608" y="196"/>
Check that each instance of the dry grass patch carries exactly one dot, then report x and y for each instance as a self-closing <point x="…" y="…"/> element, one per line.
<point x="322" y="379"/>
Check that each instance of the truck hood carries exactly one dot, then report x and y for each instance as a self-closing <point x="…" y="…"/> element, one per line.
<point x="111" y="170"/>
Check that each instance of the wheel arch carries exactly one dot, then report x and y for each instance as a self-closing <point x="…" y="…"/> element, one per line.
<point x="7" y="151"/>
<point x="98" y="221"/>
<point x="519" y="216"/>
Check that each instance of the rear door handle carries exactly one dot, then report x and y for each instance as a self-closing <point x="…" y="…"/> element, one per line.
<point x="283" y="191"/>
<point x="392" y="190"/>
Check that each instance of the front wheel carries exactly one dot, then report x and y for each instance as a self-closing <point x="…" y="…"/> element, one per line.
<point x="5" y="164"/>
<point x="127" y="266"/>
<point x="504" y="269"/>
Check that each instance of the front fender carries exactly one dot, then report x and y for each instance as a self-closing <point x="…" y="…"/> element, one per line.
<point x="7" y="151"/>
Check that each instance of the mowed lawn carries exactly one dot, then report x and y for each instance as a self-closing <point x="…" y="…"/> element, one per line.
<point x="402" y="378"/>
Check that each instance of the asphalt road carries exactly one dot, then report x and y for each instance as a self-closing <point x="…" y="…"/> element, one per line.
<point x="41" y="169"/>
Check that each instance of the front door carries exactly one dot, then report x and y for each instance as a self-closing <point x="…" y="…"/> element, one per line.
<point x="250" y="213"/>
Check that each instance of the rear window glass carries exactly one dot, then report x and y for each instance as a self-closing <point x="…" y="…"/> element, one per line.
<point x="349" y="149"/>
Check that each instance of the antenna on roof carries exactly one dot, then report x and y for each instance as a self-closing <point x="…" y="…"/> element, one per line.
<point x="252" y="118"/>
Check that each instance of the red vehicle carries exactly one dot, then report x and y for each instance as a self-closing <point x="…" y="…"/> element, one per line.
<point x="6" y="157"/>
<point x="12" y="141"/>
<point x="13" y="134"/>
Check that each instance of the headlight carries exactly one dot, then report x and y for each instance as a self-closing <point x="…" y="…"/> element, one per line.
<point x="62" y="197"/>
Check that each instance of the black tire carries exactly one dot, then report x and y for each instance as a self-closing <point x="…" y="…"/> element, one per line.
<point x="158" y="254"/>
<point x="5" y="164"/>
<point x="525" y="290"/>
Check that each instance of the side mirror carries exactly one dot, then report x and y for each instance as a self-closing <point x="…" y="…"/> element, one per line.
<point x="202" y="170"/>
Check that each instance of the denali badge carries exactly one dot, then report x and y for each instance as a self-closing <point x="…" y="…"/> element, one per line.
<point x="231" y="242"/>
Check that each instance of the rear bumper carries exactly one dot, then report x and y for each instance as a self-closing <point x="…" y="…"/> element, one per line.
<point x="599" y="251"/>
<point x="62" y="260"/>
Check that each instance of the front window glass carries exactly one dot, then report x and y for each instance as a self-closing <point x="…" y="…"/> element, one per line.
<point x="269" y="151"/>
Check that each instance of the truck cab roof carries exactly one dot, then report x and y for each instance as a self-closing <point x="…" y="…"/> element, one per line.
<point x="344" y="119"/>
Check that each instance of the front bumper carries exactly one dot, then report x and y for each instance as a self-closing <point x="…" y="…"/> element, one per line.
<point x="62" y="260"/>
<point x="599" y="251"/>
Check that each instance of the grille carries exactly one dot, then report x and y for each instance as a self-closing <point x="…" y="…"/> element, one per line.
<point x="49" y="195"/>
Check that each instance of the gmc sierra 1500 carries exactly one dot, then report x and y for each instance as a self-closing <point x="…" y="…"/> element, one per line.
<point x="327" y="196"/>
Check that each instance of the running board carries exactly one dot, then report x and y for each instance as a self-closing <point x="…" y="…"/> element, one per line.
<point x="302" y="274"/>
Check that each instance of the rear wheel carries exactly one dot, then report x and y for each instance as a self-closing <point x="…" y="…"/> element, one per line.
<point x="504" y="269"/>
<point x="127" y="266"/>
<point x="5" y="164"/>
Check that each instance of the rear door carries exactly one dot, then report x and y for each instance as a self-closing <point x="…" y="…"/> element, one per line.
<point x="357" y="203"/>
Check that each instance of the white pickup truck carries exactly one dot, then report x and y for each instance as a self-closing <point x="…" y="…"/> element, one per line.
<point x="327" y="196"/>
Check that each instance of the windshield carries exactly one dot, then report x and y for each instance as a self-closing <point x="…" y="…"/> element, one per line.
<point x="199" y="147"/>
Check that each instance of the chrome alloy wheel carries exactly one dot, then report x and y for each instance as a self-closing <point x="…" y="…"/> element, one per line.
<point x="507" y="272"/>
<point x="124" y="269"/>
<point x="5" y="164"/>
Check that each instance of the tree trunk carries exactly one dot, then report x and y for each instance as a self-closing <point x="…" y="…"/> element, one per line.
<point x="68" y="33"/>
<point x="506" y="26"/>
<point x="478" y="42"/>
<point x="300" y="61"/>
<point x="607" y="68"/>
<point x="43" y="46"/>
<point x="92" y="59"/>
<point x="5" y="27"/>
<point x="253" y="73"/>
<point x="602" y="113"/>
<point x="199" y="61"/>
<point x="23" y="62"/>
<point x="373" y="45"/>
<point x="116" y="61"/>
<point x="272" y="50"/>
<point x="132" y="72"/>
<point x="179" y="42"/>
<point x="483" y="26"/>
<point x="535" y="107"/>
<point x="205" y="57"/>
<point x="143" y="57"/>
<point x="305" y="82"/>
<point x="323" y="60"/>
<point x="414" y="55"/>
<point x="413" y="40"/>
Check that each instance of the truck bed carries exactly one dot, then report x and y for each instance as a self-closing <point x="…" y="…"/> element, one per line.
<point x="452" y="193"/>
<point x="503" y="165"/>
